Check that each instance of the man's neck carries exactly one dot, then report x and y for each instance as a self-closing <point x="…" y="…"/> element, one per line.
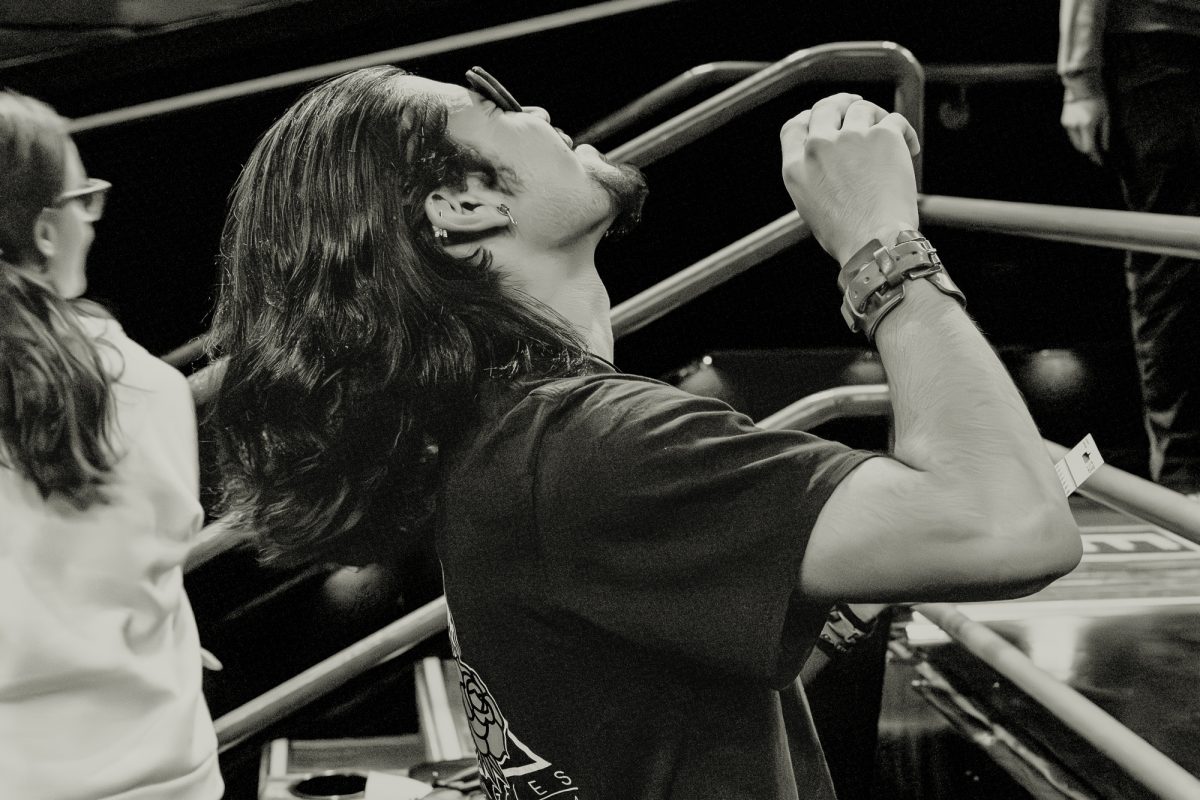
<point x="569" y="283"/>
<point x="584" y="303"/>
<point x="566" y="280"/>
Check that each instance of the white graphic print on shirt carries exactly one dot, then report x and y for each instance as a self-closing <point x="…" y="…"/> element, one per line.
<point x="502" y="756"/>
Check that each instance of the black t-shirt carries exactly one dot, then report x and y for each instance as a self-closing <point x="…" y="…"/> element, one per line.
<point x="620" y="560"/>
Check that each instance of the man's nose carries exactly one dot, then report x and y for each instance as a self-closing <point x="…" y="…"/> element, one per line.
<point x="537" y="111"/>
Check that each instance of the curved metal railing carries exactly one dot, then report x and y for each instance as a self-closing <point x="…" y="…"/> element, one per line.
<point x="714" y="73"/>
<point x="722" y="73"/>
<point x="1122" y="230"/>
<point x="295" y="77"/>
<point x="320" y="679"/>
<point x="841" y="60"/>
<point x="1108" y="485"/>
<point x="1135" y="755"/>
<point x="707" y="273"/>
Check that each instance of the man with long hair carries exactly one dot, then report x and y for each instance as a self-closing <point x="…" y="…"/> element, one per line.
<point x="419" y="345"/>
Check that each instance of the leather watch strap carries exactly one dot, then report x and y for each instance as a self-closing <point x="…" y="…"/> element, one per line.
<point x="872" y="281"/>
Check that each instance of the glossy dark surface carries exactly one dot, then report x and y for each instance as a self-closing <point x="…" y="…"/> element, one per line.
<point x="1123" y="629"/>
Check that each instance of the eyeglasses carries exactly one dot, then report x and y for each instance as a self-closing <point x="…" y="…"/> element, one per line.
<point x="91" y="197"/>
<point x="479" y="80"/>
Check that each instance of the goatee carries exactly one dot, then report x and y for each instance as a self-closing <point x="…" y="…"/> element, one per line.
<point x="627" y="189"/>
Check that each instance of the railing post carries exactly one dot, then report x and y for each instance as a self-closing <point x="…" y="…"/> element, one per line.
<point x="840" y="61"/>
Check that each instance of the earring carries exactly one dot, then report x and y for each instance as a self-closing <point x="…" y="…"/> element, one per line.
<point x="440" y="233"/>
<point x="503" y="209"/>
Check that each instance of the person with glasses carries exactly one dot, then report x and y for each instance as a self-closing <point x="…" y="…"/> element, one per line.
<point x="100" y="688"/>
<point x="417" y="345"/>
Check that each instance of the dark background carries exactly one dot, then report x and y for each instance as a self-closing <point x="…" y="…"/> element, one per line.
<point x="153" y="261"/>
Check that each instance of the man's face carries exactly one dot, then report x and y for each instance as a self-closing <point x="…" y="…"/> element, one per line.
<point x="558" y="193"/>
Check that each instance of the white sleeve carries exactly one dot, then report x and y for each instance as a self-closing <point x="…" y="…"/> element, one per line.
<point x="1081" y="26"/>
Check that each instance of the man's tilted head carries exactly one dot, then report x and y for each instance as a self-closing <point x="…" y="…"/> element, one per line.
<point x="391" y="243"/>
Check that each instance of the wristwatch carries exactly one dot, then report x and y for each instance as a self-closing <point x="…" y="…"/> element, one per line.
<point x="872" y="281"/>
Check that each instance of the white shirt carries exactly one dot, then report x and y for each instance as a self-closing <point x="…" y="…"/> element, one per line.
<point x="100" y="692"/>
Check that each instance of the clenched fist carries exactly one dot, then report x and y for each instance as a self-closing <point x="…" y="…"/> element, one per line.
<point x="847" y="164"/>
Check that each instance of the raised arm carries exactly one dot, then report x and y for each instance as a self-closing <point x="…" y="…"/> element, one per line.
<point x="970" y="506"/>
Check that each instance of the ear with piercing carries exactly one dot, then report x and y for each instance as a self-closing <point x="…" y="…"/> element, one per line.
<point x="503" y="209"/>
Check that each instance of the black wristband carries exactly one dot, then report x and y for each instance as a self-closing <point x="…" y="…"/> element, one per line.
<point x="843" y="630"/>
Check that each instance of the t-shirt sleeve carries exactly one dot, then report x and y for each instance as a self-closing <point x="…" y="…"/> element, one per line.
<point x="671" y="520"/>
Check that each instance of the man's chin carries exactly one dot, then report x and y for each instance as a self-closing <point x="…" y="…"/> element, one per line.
<point x="626" y="188"/>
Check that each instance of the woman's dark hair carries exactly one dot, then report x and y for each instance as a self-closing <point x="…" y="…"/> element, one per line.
<point x="356" y="346"/>
<point x="54" y="390"/>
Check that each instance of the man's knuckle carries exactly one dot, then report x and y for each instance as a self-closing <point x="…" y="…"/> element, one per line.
<point x="816" y="146"/>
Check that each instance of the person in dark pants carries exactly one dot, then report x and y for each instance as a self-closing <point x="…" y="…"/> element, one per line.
<point x="1131" y="73"/>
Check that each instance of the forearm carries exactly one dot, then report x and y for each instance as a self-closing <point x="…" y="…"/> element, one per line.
<point x="970" y="506"/>
<point x="959" y="417"/>
<point x="1081" y="25"/>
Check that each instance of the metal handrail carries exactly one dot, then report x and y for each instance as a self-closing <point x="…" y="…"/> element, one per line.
<point x="708" y="273"/>
<point x="1108" y="485"/>
<point x="726" y="72"/>
<point x="335" y="671"/>
<point x="187" y="352"/>
<point x="213" y="540"/>
<point x="872" y="60"/>
<point x="1115" y="229"/>
<point x="681" y="86"/>
<point x="1144" y="499"/>
<point x="1135" y="755"/>
<point x="840" y="402"/>
<point x="282" y="80"/>
<point x="1004" y="72"/>
<point x="1167" y="234"/>
<point x="205" y="381"/>
<point x="1123" y="230"/>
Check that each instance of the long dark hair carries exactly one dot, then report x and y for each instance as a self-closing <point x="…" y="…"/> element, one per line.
<point x="356" y="345"/>
<point x="54" y="390"/>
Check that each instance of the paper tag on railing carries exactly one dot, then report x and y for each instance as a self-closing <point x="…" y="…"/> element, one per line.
<point x="1078" y="465"/>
